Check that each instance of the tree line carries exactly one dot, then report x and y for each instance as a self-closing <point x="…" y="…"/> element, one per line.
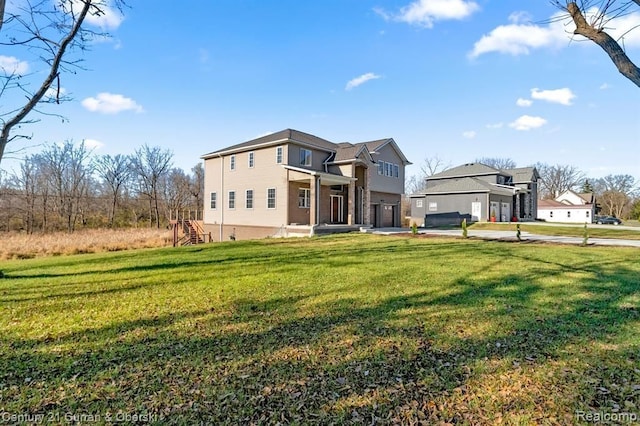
<point x="66" y="187"/>
<point x="616" y="195"/>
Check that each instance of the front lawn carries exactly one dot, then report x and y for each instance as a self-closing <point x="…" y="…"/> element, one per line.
<point x="359" y="329"/>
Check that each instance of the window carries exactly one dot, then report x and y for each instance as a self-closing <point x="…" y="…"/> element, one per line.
<point x="214" y="200"/>
<point x="433" y="207"/>
<point x="232" y="199"/>
<point x="249" y="199"/>
<point x="381" y="168"/>
<point x="271" y="198"/>
<point x="419" y="204"/>
<point x="251" y="160"/>
<point x="305" y="157"/>
<point x="396" y="170"/>
<point x="304" y="198"/>
<point x="387" y="169"/>
<point x="279" y="155"/>
<point x="232" y="162"/>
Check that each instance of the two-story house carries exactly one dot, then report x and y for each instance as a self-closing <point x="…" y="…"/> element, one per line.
<point x="476" y="192"/>
<point x="291" y="183"/>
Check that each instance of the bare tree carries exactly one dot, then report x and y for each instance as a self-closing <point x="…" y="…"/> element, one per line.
<point x="177" y="190"/>
<point x="50" y="30"/>
<point x="497" y="163"/>
<point x="196" y="185"/>
<point x="594" y="26"/>
<point x="554" y="180"/>
<point x="115" y="173"/>
<point x="429" y="167"/>
<point x="70" y="171"/>
<point x="615" y="194"/>
<point x="150" y="165"/>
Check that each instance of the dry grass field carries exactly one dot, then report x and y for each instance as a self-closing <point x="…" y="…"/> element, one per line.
<point x="24" y="246"/>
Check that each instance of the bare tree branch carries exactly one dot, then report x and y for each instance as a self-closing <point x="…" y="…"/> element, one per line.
<point x="53" y="74"/>
<point x="595" y="31"/>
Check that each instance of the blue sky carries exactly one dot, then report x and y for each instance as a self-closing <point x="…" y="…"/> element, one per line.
<point x="456" y="79"/>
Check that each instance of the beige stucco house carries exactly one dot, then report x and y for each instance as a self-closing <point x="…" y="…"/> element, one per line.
<point x="293" y="183"/>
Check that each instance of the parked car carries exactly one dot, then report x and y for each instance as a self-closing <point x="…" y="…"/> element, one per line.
<point x="607" y="220"/>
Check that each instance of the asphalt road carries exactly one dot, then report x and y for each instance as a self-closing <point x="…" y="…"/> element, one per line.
<point x="511" y="236"/>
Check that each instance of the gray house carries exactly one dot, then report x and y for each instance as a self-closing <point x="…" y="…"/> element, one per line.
<point x="476" y="192"/>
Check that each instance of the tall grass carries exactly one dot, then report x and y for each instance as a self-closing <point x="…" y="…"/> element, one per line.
<point x="25" y="246"/>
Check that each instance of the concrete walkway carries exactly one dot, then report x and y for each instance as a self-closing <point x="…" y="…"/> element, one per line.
<point x="509" y="236"/>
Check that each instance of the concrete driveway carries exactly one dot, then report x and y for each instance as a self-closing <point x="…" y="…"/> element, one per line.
<point x="510" y="236"/>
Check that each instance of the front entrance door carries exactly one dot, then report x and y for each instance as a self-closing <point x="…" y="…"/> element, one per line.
<point x="337" y="209"/>
<point x="476" y="211"/>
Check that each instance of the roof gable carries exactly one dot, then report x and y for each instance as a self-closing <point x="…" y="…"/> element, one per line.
<point x="376" y="146"/>
<point x="468" y="170"/>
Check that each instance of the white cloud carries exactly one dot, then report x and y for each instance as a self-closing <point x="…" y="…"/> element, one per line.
<point x="11" y="65"/>
<point x="109" y="17"/>
<point x="520" y="37"/>
<point x="54" y="93"/>
<point x="469" y="134"/>
<point x="605" y="86"/>
<point x="109" y="103"/>
<point x="425" y="12"/>
<point x="562" y="96"/>
<point x="93" y="144"/>
<point x="521" y="102"/>
<point x="353" y="83"/>
<point x="494" y="125"/>
<point x="527" y="122"/>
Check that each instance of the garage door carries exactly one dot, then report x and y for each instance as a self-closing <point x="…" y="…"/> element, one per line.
<point x="387" y="216"/>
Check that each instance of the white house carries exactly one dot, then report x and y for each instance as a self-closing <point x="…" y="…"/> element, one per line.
<point x="569" y="207"/>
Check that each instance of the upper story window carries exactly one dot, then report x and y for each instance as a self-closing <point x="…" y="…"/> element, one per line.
<point x="279" y="157"/>
<point x="305" y="157"/>
<point x="396" y="171"/>
<point x="251" y="159"/>
<point x="381" y="167"/>
<point x="214" y="201"/>
<point x="232" y="162"/>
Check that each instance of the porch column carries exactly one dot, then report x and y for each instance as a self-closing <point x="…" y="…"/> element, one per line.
<point x="367" y="197"/>
<point x="314" y="194"/>
<point x="351" y="204"/>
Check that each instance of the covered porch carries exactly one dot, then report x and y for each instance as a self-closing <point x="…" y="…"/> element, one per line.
<point x="318" y="198"/>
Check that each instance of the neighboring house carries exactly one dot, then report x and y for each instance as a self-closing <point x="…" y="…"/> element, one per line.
<point x="476" y="192"/>
<point x="570" y="207"/>
<point x="291" y="182"/>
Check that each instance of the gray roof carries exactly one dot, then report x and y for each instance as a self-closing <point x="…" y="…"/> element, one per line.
<point x="344" y="151"/>
<point x="287" y="134"/>
<point x="466" y="185"/>
<point x="375" y="146"/>
<point x="468" y="170"/>
<point x="523" y="174"/>
<point x="348" y="152"/>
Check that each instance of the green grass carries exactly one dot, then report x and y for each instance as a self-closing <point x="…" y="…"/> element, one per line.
<point x="577" y="230"/>
<point x="332" y="330"/>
